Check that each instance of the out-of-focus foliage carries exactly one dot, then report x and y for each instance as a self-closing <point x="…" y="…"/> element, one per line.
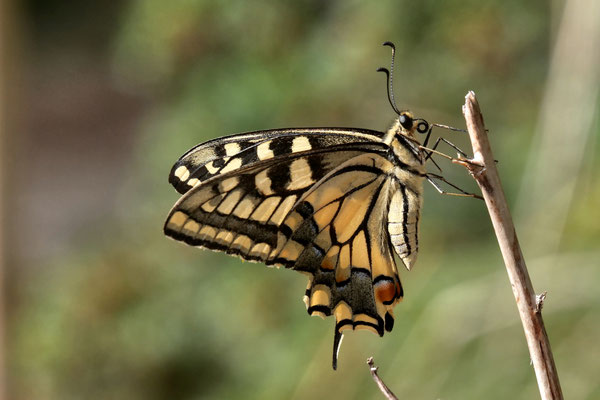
<point x="128" y="314"/>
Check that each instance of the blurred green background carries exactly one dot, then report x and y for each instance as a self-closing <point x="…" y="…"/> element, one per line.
<point x="99" y="99"/>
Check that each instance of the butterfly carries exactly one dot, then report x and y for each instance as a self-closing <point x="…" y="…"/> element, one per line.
<point x="335" y="204"/>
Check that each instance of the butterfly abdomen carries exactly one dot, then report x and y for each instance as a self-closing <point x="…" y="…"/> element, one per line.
<point x="404" y="210"/>
<point x="403" y="223"/>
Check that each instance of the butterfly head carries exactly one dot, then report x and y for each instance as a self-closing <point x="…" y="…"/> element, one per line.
<point x="407" y="125"/>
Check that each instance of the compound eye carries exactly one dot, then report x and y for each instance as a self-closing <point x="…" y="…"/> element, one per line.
<point x="422" y="127"/>
<point x="406" y="121"/>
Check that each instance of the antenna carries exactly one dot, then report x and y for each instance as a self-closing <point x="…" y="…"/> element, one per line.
<point x="389" y="74"/>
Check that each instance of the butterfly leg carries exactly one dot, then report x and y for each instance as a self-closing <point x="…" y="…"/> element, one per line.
<point x="432" y="150"/>
<point x="431" y="179"/>
<point x="461" y="160"/>
<point x="429" y="153"/>
<point x="462" y="156"/>
<point x="449" y="143"/>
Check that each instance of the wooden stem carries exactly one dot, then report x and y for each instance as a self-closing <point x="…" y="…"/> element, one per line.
<point x="483" y="168"/>
<point x="382" y="386"/>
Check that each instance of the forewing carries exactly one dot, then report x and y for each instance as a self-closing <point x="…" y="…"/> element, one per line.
<point x="240" y="211"/>
<point x="230" y="153"/>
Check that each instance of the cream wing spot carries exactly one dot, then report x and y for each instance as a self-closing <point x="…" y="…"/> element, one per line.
<point x="305" y="298"/>
<point x="245" y="208"/>
<point x="233" y="164"/>
<point x="300" y="143"/>
<point x="323" y="239"/>
<point x="191" y="227"/>
<point x="211" y="168"/>
<point x="224" y="237"/>
<point x="343" y="311"/>
<point x="232" y="149"/>
<point x="294" y="220"/>
<point x="177" y="220"/>
<point x="263" y="151"/>
<point x="193" y="182"/>
<point x="285" y="207"/>
<point x="263" y="183"/>
<point x="264" y="211"/>
<point x="182" y="173"/>
<point x="320" y="296"/>
<point x="230" y="202"/>
<point x="330" y="260"/>
<point x="300" y="175"/>
<point x="228" y="184"/>
<point x="291" y="251"/>
<point x="260" y="250"/>
<point x="281" y="241"/>
<point x="207" y="233"/>
<point x="211" y="204"/>
<point x="370" y="321"/>
<point x="242" y="243"/>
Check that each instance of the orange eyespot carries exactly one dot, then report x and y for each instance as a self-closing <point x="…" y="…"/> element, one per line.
<point x="385" y="291"/>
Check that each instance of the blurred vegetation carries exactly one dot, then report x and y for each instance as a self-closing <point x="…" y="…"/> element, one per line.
<point x="124" y="313"/>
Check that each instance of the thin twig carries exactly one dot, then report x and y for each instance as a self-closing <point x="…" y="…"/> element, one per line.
<point x="483" y="168"/>
<point x="382" y="386"/>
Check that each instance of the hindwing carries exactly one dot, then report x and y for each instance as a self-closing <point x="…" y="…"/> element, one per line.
<point x="334" y="235"/>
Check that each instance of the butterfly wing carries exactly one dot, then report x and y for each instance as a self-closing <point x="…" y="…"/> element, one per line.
<point x="240" y="211"/>
<point x="229" y="153"/>
<point x="319" y="211"/>
<point x="336" y="235"/>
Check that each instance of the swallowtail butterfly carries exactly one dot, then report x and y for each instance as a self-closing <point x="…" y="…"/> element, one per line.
<point x="332" y="203"/>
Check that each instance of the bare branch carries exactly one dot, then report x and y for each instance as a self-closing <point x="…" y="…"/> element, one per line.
<point x="483" y="169"/>
<point x="382" y="386"/>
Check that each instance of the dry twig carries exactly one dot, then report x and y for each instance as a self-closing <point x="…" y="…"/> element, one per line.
<point x="483" y="168"/>
<point x="382" y="386"/>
